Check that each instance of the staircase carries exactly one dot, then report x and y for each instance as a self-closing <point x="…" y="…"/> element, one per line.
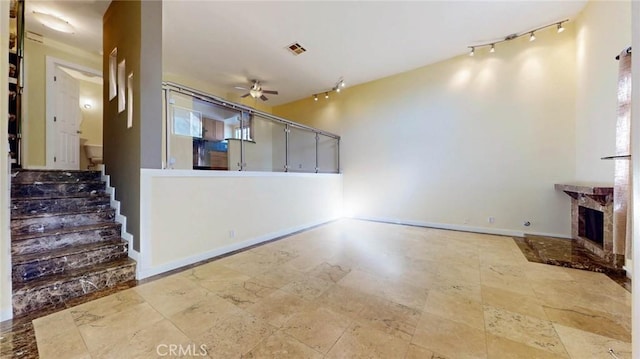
<point x="64" y="240"/>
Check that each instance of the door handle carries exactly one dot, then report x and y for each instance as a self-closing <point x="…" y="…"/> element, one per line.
<point x="78" y="132"/>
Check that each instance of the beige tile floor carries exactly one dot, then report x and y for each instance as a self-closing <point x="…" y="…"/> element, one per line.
<point x="356" y="289"/>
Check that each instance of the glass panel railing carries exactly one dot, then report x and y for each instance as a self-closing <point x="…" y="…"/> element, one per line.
<point x="198" y="132"/>
<point x="263" y="145"/>
<point x="202" y="131"/>
<point x="301" y="150"/>
<point x="328" y="149"/>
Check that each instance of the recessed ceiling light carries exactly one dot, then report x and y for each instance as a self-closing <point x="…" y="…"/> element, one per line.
<point x="53" y="22"/>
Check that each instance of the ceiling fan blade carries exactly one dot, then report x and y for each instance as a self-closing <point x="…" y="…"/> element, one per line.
<point x="263" y="98"/>
<point x="241" y="88"/>
<point x="272" y="92"/>
<point x="245" y="95"/>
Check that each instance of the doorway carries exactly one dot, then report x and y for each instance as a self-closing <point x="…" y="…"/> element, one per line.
<point x="73" y="114"/>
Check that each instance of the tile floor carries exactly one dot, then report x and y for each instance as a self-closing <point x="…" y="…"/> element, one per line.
<point x="356" y="289"/>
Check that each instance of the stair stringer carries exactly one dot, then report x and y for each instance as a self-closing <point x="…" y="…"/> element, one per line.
<point x="120" y="218"/>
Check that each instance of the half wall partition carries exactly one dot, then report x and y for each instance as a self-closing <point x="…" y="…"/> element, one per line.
<point x="205" y="132"/>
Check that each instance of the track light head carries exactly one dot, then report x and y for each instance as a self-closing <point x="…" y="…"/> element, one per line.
<point x="472" y="52"/>
<point x="532" y="37"/>
<point x="493" y="48"/>
<point x="326" y="95"/>
<point x="560" y="27"/>
<point x="315" y="97"/>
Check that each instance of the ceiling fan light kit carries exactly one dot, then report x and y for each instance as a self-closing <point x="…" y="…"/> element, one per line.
<point x="256" y="91"/>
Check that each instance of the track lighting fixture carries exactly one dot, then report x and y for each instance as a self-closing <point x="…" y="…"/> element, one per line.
<point x="337" y="88"/>
<point x="531" y="33"/>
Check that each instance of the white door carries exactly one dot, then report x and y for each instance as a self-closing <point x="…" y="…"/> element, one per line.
<point x="66" y="121"/>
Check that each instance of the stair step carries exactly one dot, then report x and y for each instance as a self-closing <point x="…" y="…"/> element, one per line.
<point x="64" y="237"/>
<point x="45" y="222"/>
<point x="55" y="189"/>
<point x="56" y="290"/>
<point x="27" y="267"/>
<point x="21" y="207"/>
<point x="31" y="176"/>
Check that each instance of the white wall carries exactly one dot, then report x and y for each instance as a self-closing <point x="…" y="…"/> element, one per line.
<point x="5" y="237"/>
<point x="257" y="206"/>
<point x="456" y="142"/>
<point x="603" y="29"/>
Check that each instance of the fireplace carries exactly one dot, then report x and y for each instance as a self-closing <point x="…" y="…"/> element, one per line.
<point x="592" y="221"/>
<point x="591" y="225"/>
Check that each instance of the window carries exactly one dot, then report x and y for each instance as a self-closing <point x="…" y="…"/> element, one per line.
<point x="242" y="133"/>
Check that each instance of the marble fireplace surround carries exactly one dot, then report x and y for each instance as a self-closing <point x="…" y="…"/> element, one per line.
<point x="599" y="198"/>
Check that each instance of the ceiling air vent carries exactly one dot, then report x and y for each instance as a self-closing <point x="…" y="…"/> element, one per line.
<point x="296" y="49"/>
<point x="35" y="37"/>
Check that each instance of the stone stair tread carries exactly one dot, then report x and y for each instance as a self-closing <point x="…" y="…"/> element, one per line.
<point x="70" y="196"/>
<point x="54" y="214"/>
<point x="64" y="230"/>
<point x="17" y="175"/>
<point x="71" y="275"/>
<point x="56" y="182"/>
<point x="64" y="251"/>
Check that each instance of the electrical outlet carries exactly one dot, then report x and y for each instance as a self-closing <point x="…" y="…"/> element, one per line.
<point x="466" y="221"/>
<point x="491" y="220"/>
<point x="232" y="233"/>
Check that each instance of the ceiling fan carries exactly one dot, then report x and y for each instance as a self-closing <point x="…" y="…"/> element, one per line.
<point x="256" y="91"/>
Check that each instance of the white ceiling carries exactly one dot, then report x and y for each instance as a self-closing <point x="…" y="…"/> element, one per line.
<point x="226" y="43"/>
<point x="84" y="15"/>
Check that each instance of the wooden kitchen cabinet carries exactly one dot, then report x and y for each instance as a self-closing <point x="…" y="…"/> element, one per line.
<point x="212" y="130"/>
<point x="218" y="160"/>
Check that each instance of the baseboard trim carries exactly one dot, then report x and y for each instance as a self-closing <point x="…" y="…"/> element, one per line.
<point x="119" y="217"/>
<point x="133" y="254"/>
<point x="6" y="314"/>
<point x="628" y="267"/>
<point x="457" y="227"/>
<point x="155" y="270"/>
